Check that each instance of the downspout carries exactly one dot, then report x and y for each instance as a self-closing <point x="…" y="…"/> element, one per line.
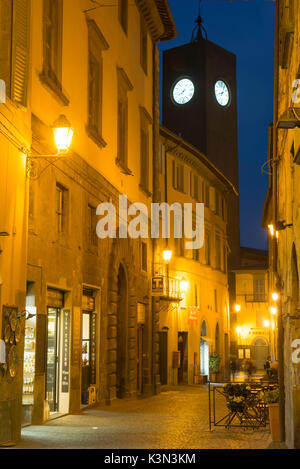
<point x="276" y="279"/>
<point x="155" y="199"/>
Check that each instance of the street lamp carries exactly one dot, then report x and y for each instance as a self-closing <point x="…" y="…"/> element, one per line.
<point x="266" y="323"/>
<point x="237" y="308"/>
<point x="275" y="296"/>
<point x="273" y="310"/>
<point x="63" y="134"/>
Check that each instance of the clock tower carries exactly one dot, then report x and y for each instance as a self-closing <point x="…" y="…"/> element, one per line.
<point x="200" y="105"/>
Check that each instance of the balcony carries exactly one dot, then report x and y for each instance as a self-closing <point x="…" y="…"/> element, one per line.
<point x="257" y="298"/>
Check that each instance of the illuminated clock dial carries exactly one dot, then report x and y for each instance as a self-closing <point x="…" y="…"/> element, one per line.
<point x="222" y="93"/>
<point x="183" y="91"/>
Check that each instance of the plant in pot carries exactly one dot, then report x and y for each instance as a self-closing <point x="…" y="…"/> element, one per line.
<point x="214" y="366"/>
<point x="271" y="398"/>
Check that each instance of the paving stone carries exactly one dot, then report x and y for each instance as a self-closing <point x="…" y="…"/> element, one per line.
<point x="177" y="418"/>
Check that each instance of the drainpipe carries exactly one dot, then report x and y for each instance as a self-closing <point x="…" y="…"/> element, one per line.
<point x="155" y="199"/>
<point x="276" y="278"/>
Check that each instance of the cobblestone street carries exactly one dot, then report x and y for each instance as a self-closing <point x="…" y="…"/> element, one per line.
<point x="176" y="419"/>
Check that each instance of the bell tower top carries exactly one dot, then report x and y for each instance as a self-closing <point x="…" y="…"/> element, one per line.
<point x="199" y="31"/>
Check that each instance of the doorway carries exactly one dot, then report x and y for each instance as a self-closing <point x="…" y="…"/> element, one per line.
<point x="204" y="351"/>
<point x="52" y="371"/>
<point x="261" y="352"/>
<point x="183" y="349"/>
<point x="163" y="357"/>
<point x="121" y="333"/>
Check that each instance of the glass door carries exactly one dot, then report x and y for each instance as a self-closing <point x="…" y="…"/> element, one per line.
<point x="86" y="357"/>
<point x="52" y="359"/>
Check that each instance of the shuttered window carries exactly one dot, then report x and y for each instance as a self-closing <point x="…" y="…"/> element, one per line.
<point x="53" y="41"/>
<point x="14" y="48"/>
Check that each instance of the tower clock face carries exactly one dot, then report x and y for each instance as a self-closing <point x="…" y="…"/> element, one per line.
<point x="222" y="93"/>
<point x="183" y="91"/>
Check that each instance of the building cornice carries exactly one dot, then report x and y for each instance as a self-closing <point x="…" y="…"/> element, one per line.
<point x="195" y="158"/>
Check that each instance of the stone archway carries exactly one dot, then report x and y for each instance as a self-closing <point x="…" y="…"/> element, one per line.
<point x="121" y="322"/>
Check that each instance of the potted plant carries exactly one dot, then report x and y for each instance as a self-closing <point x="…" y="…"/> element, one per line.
<point x="214" y="366"/>
<point x="271" y="398"/>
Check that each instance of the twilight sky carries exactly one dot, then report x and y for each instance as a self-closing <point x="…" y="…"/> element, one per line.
<point x="246" y="28"/>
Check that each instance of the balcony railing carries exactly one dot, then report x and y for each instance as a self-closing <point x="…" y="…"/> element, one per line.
<point x="171" y="289"/>
<point x="257" y="298"/>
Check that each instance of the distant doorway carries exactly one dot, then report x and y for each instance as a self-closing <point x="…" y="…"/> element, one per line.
<point x="204" y="351"/>
<point x="261" y="352"/>
<point x="121" y="333"/>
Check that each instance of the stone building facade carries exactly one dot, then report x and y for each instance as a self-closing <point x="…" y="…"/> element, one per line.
<point x="256" y="326"/>
<point x="281" y="211"/>
<point x="194" y="317"/>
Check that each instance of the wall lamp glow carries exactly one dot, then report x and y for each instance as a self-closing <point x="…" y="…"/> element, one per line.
<point x="184" y="284"/>
<point x="275" y="296"/>
<point x="266" y="323"/>
<point x="167" y="255"/>
<point x="273" y="310"/>
<point x="237" y="308"/>
<point x="63" y="134"/>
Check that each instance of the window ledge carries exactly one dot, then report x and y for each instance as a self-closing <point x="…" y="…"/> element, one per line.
<point x="145" y="190"/>
<point x="123" y="167"/>
<point x="96" y="137"/>
<point x="54" y="89"/>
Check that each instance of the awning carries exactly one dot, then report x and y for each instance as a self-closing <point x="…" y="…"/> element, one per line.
<point x="207" y="339"/>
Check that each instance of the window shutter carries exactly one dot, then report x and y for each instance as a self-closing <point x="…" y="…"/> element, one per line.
<point x="174" y="174"/>
<point x="5" y="43"/>
<point x="20" y="52"/>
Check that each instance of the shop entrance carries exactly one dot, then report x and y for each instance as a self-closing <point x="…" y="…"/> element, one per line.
<point x="89" y="332"/>
<point x="29" y="356"/>
<point x="204" y="351"/>
<point x="183" y="349"/>
<point x="52" y="372"/>
<point x="163" y="356"/>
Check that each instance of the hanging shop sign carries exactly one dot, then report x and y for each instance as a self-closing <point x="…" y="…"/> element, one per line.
<point x="193" y="314"/>
<point x="157" y="286"/>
